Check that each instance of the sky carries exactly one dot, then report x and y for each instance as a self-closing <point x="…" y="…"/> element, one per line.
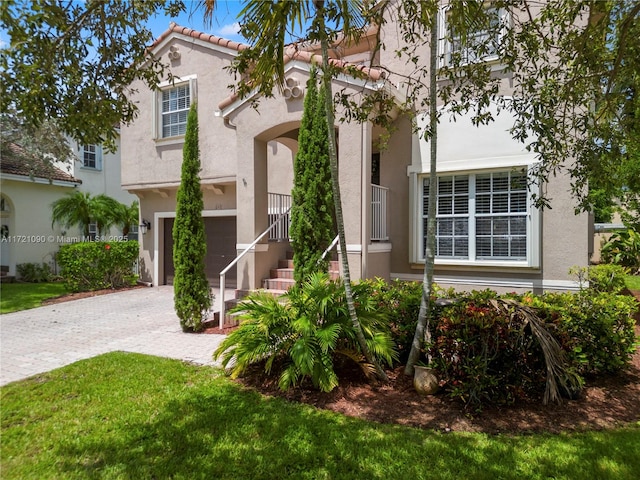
<point x="224" y="24"/>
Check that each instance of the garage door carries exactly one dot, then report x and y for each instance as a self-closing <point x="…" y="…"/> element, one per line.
<point x="221" y="249"/>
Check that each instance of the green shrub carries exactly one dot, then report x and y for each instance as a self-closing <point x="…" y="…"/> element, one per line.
<point x="484" y="354"/>
<point x="34" y="272"/>
<point x="307" y="334"/>
<point x="597" y="328"/>
<point x="400" y="300"/>
<point x="623" y="248"/>
<point x="95" y="265"/>
<point x="607" y="278"/>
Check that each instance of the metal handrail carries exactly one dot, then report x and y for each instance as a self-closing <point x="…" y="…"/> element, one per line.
<point x="237" y="259"/>
<point x="330" y="247"/>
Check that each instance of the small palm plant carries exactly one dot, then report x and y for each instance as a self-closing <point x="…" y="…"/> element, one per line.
<point x="306" y="333"/>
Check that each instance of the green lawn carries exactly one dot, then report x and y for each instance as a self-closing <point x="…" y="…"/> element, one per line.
<point x="632" y="282"/>
<point x="21" y="296"/>
<point x="130" y="416"/>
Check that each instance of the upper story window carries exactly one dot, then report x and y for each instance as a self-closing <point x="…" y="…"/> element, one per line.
<point x="482" y="218"/>
<point x="92" y="156"/>
<point x="480" y="44"/>
<point x="175" y="108"/>
<point x="172" y="103"/>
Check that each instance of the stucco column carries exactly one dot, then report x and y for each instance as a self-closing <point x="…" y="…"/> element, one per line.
<point x="252" y="209"/>
<point x="350" y="158"/>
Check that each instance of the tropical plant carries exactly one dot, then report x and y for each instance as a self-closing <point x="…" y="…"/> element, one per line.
<point x="312" y="220"/>
<point x="34" y="272"/>
<point x="307" y="334"/>
<point x="192" y="294"/>
<point x="125" y="216"/>
<point x="623" y="248"/>
<point x="81" y="209"/>
<point x="265" y="25"/>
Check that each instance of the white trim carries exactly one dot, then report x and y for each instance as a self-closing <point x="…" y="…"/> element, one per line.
<point x="533" y="225"/>
<point x="487" y="163"/>
<point x="488" y="282"/>
<point x="39" y="180"/>
<point x="156" y="234"/>
<point x="156" y="120"/>
<point x="258" y="247"/>
<point x="354" y="248"/>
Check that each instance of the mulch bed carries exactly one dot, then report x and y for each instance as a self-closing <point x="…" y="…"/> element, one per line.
<point x="605" y="403"/>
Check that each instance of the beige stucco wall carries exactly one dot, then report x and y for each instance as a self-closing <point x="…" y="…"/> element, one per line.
<point x="147" y="161"/>
<point x="32" y="238"/>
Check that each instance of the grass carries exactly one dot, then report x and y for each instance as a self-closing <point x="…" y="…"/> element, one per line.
<point x="21" y="296"/>
<point x="131" y="416"/>
<point x="632" y="282"/>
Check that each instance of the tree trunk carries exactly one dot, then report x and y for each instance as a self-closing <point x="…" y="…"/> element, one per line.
<point x="422" y="334"/>
<point x="335" y="182"/>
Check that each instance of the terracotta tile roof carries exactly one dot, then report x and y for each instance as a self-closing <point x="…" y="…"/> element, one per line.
<point x="292" y="53"/>
<point x="206" y="37"/>
<point x="15" y="161"/>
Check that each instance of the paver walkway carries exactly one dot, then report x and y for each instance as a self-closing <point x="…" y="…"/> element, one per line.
<point x="141" y="320"/>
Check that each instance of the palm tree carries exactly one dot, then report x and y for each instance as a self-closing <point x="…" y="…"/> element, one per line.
<point x="81" y="209"/>
<point x="125" y="216"/>
<point x="265" y="25"/>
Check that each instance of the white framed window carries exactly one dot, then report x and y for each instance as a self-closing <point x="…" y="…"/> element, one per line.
<point x="92" y="156"/>
<point x="483" y="218"/>
<point x="93" y="230"/>
<point x="480" y="45"/>
<point x="172" y="102"/>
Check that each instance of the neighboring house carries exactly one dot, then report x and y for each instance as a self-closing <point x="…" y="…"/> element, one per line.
<point x="100" y="173"/>
<point x="489" y="234"/>
<point x="28" y="187"/>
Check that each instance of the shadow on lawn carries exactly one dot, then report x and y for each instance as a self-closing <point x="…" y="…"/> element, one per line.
<point x="231" y="433"/>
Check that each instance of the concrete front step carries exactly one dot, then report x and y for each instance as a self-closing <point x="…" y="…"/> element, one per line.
<point x="278" y="283"/>
<point x="334" y="265"/>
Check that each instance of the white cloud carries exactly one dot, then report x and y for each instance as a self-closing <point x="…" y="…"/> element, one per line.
<point x="229" y="30"/>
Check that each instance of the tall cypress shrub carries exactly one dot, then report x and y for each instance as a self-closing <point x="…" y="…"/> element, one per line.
<point x="192" y="294"/>
<point x="312" y="218"/>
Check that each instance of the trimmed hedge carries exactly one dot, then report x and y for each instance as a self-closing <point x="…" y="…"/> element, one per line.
<point x="96" y="265"/>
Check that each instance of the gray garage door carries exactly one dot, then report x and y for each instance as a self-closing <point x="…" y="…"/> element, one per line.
<point x="221" y="249"/>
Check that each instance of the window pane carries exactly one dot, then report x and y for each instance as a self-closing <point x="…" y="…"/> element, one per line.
<point x="445" y="186"/>
<point x="519" y="202"/>
<point x="445" y="206"/>
<point x="519" y="247"/>
<point x="483" y="183"/>
<point x="483" y="204"/>
<point x="445" y="226"/>
<point x="461" y="247"/>
<point x="483" y="247"/>
<point x="461" y="204"/>
<point x="500" y="203"/>
<point x="518" y="226"/>
<point x="461" y="226"/>
<point x="501" y="226"/>
<point x="445" y="247"/>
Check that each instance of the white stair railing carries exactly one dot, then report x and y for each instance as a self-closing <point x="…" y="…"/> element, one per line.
<point x="379" y="213"/>
<point x="223" y="273"/>
<point x="279" y="204"/>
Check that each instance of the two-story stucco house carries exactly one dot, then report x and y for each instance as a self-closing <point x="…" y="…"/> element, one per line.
<point x="489" y="234"/>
